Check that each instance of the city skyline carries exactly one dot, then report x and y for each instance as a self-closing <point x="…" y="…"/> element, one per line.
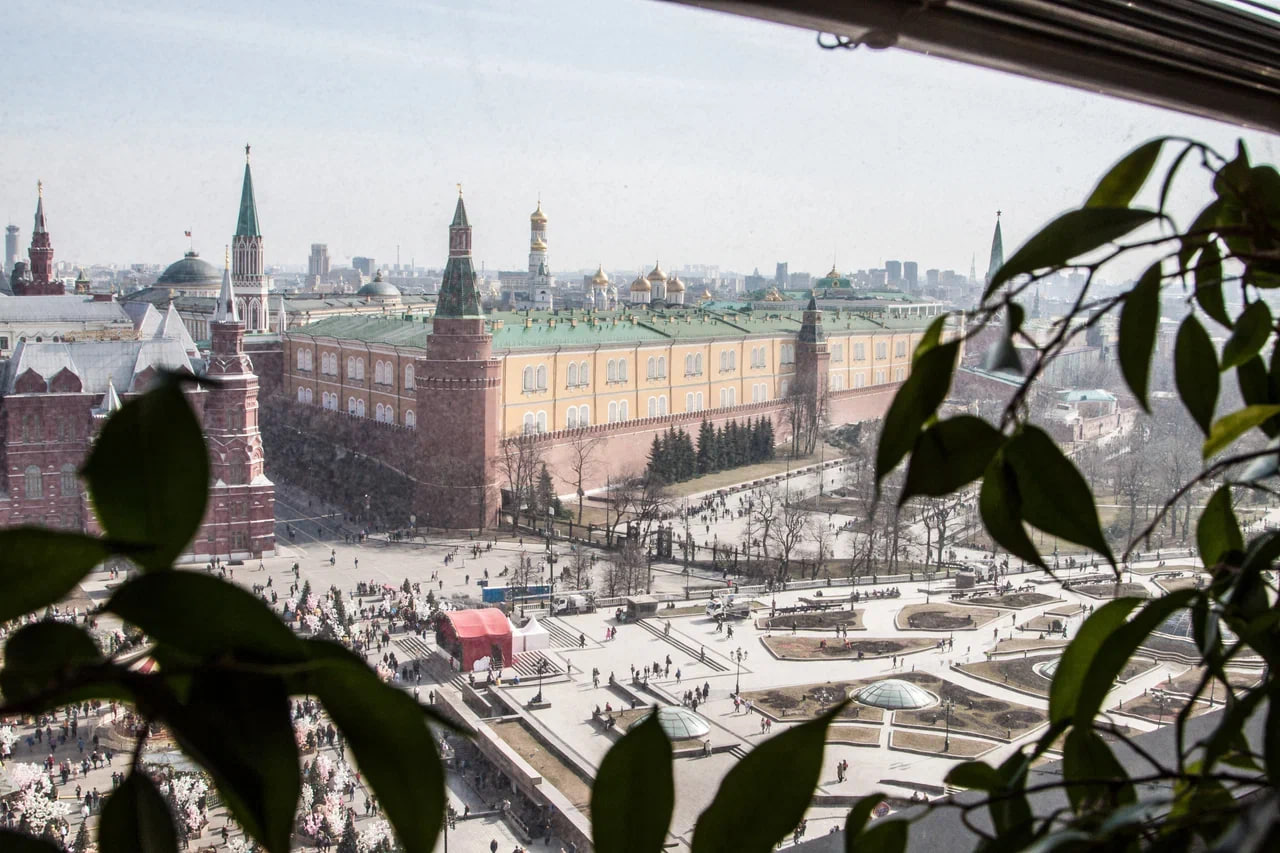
<point x="641" y="143"/>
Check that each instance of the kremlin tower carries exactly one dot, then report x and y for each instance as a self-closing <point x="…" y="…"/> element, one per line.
<point x="248" y="280"/>
<point x="241" y="513"/>
<point x="459" y="399"/>
<point x="997" y="251"/>
<point x="41" y="281"/>
<point x="539" y="268"/>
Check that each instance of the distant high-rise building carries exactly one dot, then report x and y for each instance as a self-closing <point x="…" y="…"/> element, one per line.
<point x="932" y="277"/>
<point x="876" y="278"/>
<point x="10" y="249"/>
<point x="366" y="266"/>
<point x="893" y="271"/>
<point x="911" y="274"/>
<point x="997" y="251"/>
<point x="780" y="278"/>
<point x="800" y="280"/>
<point x="318" y="263"/>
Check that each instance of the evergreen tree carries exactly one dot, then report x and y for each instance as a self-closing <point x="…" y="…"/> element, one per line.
<point x="81" y="842"/>
<point x="348" y="843"/>
<point x="306" y="592"/>
<point x="732" y="446"/>
<point x="722" y="448"/>
<point x="688" y="457"/>
<point x="545" y="493"/>
<point x="339" y="607"/>
<point x="706" y="458"/>
<point x="656" y="460"/>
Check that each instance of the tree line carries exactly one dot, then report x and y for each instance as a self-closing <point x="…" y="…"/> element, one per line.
<point x="673" y="458"/>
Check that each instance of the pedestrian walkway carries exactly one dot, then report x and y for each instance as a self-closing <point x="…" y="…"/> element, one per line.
<point x="707" y="660"/>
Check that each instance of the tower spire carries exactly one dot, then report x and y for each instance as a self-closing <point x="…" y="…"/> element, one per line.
<point x="39" y="226"/>
<point x="226" y="310"/>
<point x="458" y="296"/>
<point x="997" y="250"/>
<point x="247" y="222"/>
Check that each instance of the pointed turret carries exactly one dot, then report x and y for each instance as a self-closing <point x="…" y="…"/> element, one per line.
<point x="247" y="224"/>
<point x="282" y="318"/>
<point x="39" y="226"/>
<point x="997" y="250"/>
<point x="226" y="310"/>
<point x="110" y="400"/>
<point x="458" y="295"/>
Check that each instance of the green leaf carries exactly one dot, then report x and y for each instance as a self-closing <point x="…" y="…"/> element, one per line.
<point x="1116" y="649"/>
<point x="238" y="727"/>
<point x="1055" y="498"/>
<point x="1076" y="661"/>
<point x="1086" y="756"/>
<point x="1071" y="235"/>
<point x="916" y="401"/>
<point x="884" y="836"/>
<point x="1230" y="427"/>
<point x="948" y="455"/>
<point x="1271" y="743"/>
<point x="857" y="820"/>
<point x="1001" y="508"/>
<point x="1173" y="170"/>
<point x="16" y="842"/>
<point x="1251" y="376"/>
<point x="164" y="604"/>
<point x="751" y="811"/>
<point x="1253" y="328"/>
<point x="1139" y="319"/>
<point x="1118" y="187"/>
<point x="39" y="567"/>
<point x="634" y="792"/>
<point x="136" y="818"/>
<point x="1197" y="236"/>
<point x="407" y="780"/>
<point x="1218" y="533"/>
<point x="1195" y="371"/>
<point x="931" y="338"/>
<point x="977" y="775"/>
<point x="41" y="656"/>
<point x="1207" y="278"/>
<point x="148" y="474"/>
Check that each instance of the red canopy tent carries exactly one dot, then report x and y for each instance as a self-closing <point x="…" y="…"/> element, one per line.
<point x="476" y="633"/>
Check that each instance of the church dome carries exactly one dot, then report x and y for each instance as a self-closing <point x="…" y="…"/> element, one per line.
<point x="538" y="246"/>
<point x="773" y="295"/>
<point x="538" y="215"/>
<point x="640" y="286"/>
<point x="657" y="274"/>
<point x="190" y="273"/>
<point x="834" y="275"/>
<point x="600" y="279"/>
<point x="675" y="285"/>
<point x="379" y="288"/>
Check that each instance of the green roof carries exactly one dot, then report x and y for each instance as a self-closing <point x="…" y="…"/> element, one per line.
<point x="247" y="224"/>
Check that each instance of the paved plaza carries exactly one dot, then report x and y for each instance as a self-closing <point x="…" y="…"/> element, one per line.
<point x="663" y="659"/>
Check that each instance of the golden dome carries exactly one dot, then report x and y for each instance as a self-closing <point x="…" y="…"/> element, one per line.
<point x="657" y="274"/>
<point x="833" y="275"/>
<point x="600" y="279"/>
<point x="538" y="215"/>
<point x="706" y="294"/>
<point x="538" y="246"/>
<point x="773" y="295"/>
<point x="675" y="285"/>
<point x="640" y="286"/>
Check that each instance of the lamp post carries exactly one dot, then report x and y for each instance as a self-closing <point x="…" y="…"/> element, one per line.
<point x="551" y="573"/>
<point x="738" y="656"/>
<point x="946" y="741"/>
<point x="541" y="668"/>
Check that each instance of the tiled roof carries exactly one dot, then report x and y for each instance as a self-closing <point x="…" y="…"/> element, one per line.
<point x="61" y="309"/>
<point x="97" y="361"/>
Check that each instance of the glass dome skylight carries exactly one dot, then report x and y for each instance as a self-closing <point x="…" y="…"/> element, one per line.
<point x="894" y="694"/>
<point x="679" y="723"/>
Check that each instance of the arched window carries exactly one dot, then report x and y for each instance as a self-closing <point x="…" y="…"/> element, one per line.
<point x="662" y="404"/>
<point x="584" y="374"/>
<point x="351" y="367"/>
<point x="310" y="356"/>
<point x="542" y="421"/>
<point x="309" y="395"/>
<point x="528" y="423"/>
<point x="613" y="412"/>
<point x="380" y="412"/>
<point x="724" y="361"/>
<point x="32" y="484"/>
<point x="360" y="408"/>
<point x="611" y="371"/>
<point x="697" y="364"/>
<point x="697" y="400"/>
<point x="526" y="381"/>
<point x="662" y="367"/>
<point x="571" y="418"/>
<point x="359" y="368"/>
<point x="542" y="377"/>
<point x="653" y="407"/>
<point x="688" y="365"/>
<point x="301" y="360"/>
<point x="652" y="367"/>
<point x="688" y="402"/>
<point x="377" y="372"/>
<point x="622" y="411"/>
<point x="584" y="416"/>
<point x="573" y="374"/>
<point x="351" y="405"/>
<point x="302" y="395"/>
<point x="733" y="360"/>
<point x="408" y="377"/>
<point x="70" y="486"/>
<point x="622" y="370"/>
<point x="410" y="419"/>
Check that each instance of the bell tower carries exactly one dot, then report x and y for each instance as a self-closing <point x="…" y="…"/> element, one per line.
<point x="459" y="400"/>
<point x="42" y="282"/>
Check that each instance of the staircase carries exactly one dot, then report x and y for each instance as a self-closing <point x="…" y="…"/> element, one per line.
<point x="709" y="661"/>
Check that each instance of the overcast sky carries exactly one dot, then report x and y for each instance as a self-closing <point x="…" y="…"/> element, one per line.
<point x="651" y="131"/>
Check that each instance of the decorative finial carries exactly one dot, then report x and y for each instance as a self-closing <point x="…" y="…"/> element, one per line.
<point x="227" y="256"/>
<point x="997" y="214"/>
<point x="459" y="190"/>
<point x="246" y="152"/>
<point x="40" y="189"/>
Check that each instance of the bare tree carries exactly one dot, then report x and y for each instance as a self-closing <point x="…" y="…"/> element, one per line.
<point x="824" y="541"/>
<point x="522" y="572"/>
<point x="578" y="567"/>
<point x="937" y="515"/>
<point x="626" y="571"/>
<point x="1130" y="472"/>
<point x="792" y="527"/>
<point x="807" y="416"/>
<point x="641" y="500"/>
<point x="582" y="451"/>
<point x="520" y="461"/>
